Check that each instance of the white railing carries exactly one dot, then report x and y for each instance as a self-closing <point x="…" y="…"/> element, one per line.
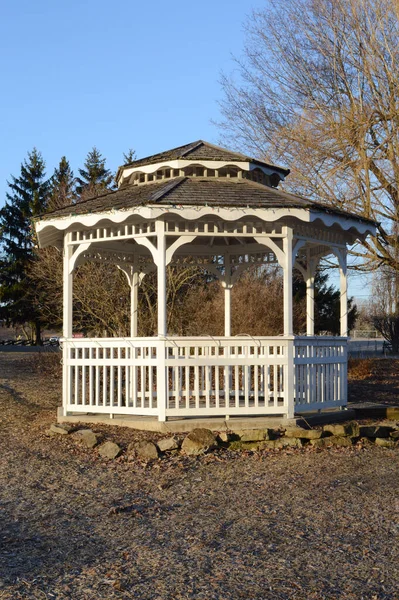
<point x="203" y="376"/>
<point x="320" y="376"/>
<point x="226" y="376"/>
<point x="200" y="376"/>
<point x="110" y="375"/>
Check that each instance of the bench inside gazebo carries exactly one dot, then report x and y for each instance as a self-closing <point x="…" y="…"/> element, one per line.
<point x="222" y="211"/>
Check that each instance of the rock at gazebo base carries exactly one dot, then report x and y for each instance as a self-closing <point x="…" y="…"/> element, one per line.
<point x="201" y="441"/>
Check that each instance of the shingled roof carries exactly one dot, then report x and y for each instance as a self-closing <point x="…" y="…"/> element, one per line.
<point x="194" y="191"/>
<point x="200" y="150"/>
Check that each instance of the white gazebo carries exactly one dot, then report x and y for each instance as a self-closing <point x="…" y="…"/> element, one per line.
<point x="195" y="203"/>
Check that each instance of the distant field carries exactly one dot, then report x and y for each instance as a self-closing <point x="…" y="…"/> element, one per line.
<point x="9" y="333"/>
<point x="6" y="333"/>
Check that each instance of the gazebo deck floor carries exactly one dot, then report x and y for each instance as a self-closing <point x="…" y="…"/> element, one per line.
<point x="187" y="424"/>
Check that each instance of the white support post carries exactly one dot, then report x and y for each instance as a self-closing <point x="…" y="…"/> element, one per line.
<point x="227" y="295"/>
<point x="227" y="310"/>
<point x="226" y="284"/>
<point x="67" y="290"/>
<point x="161" y="277"/>
<point x="310" y="277"/>
<point x="67" y="321"/>
<point x="287" y="247"/>
<point x="162" y="377"/>
<point x="289" y="380"/>
<point x="310" y="304"/>
<point x="134" y="279"/>
<point x="134" y="290"/>
<point x="288" y="322"/>
<point x="344" y="293"/>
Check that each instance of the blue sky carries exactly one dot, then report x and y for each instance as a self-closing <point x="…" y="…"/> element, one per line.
<point x="114" y="75"/>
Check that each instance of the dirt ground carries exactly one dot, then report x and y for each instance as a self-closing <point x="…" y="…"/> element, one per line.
<point x="303" y="524"/>
<point x="374" y="380"/>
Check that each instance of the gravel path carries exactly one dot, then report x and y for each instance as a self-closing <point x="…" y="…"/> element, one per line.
<point x="304" y="524"/>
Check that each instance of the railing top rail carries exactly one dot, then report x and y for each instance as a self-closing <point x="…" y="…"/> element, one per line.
<point x="320" y="338"/>
<point x="109" y="342"/>
<point x="257" y="341"/>
<point x="206" y="340"/>
<point x="172" y="339"/>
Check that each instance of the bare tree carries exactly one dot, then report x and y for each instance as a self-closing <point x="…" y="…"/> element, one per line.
<point x="318" y="89"/>
<point x="388" y="327"/>
<point x="256" y="306"/>
<point x="383" y="306"/>
<point x="181" y="281"/>
<point x="101" y="296"/>
<point x="384" y="288"/>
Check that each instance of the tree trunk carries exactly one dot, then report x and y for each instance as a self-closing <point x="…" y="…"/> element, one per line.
<point x="38" y="336"/>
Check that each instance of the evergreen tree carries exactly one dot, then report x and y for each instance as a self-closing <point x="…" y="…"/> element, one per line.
<point x="62" y="186"/>
<point x="129" y="157"/>
<point x="27" y="198"/>
<point x="94" y="177"/>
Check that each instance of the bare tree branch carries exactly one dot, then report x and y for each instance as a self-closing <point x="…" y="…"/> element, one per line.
<point x="317" y="88"/>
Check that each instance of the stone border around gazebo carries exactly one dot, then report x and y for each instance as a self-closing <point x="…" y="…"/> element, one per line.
<point x="195" y="203"/>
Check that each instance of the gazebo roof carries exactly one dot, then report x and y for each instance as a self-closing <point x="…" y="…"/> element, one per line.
<point x="195" y="191"/>
<point x="198" y="181"/>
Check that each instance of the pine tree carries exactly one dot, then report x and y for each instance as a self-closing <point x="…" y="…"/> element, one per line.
<point x="94" y="178"/>
<point x="129" y="157"/>
<point x="27" y="198"/>
<point x="62" y="186"/>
